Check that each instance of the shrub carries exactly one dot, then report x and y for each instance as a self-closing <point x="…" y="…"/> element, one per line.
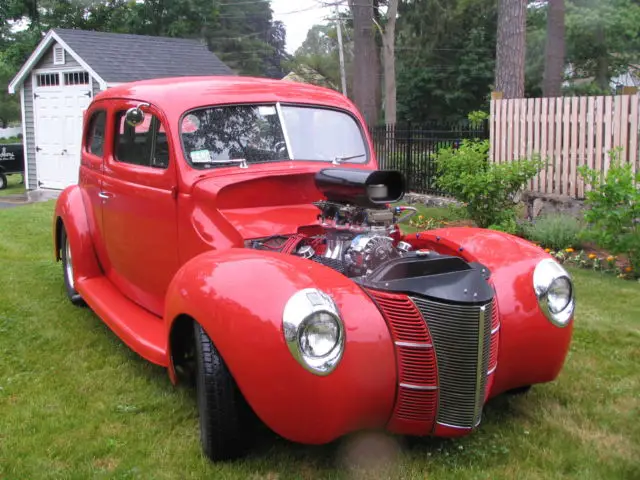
<point x="613" y="209"/>
<point x="8" y="140"/>
<point x="555" y="231"/>
<point x="488" y="189"/>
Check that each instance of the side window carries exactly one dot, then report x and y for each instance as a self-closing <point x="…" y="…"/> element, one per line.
<point x="144" y="145"/>
<point x="95" y="138"/>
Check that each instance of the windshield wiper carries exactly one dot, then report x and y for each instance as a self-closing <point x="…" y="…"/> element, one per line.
<point x="339" y="160"/>
<point x="240" y="161"/>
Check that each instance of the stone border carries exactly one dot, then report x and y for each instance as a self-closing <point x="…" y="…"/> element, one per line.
<point x="430" y="200"/>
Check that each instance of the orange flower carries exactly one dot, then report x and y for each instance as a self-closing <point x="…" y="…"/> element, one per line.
<point x="610" y="258"/>
<point x="547" y="250"/>
<point x="569" y="250"/>
<point x="628" y="269"/>
<point x="592" y="256"/>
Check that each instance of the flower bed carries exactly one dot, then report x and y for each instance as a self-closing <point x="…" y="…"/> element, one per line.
<point x="589" y="256"/>
<point x="594" y="259"/>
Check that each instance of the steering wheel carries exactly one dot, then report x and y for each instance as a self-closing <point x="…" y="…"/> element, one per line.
<point x="280" y="148"/>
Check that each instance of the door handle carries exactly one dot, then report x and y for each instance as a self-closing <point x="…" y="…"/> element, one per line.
<point x="105" y="195"/>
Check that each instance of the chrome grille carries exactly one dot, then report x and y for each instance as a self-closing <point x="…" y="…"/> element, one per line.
<point x="461" y="337"/>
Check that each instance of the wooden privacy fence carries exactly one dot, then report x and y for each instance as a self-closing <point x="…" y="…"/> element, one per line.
<point x="566" y="132"/>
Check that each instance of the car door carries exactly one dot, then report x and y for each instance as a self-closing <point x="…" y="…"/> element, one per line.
<point x="139" y="208"/>
<point x="95" y="147"/>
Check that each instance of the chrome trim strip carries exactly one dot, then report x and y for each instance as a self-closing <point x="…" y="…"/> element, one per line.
<point x="413" y="344"/>
<point x="285" y="132"/>
<point x="495" y="329"/>
<point x="492" y="370"/>
<point x="452" y="426"/>
<point x="418" y="387"/>
<point x="480" y="372"/>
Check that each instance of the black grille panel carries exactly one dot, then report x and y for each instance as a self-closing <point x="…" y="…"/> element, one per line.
<point x="461" y="337"/>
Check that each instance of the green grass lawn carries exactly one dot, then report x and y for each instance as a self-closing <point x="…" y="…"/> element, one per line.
<point x="14" y="186"/>
<point x="76" y="403"/>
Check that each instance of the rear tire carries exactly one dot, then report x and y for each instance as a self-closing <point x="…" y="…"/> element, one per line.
<point x="67" y="269"/>
<point x="225" y="417"/>
<point x="3" y="181"/>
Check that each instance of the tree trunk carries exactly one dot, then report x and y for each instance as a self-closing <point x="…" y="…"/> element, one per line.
<point x="511" y="48"/>
<point x="366" y="76"/>
<point x="555" y="50"/>
<point x="389" y="49"/>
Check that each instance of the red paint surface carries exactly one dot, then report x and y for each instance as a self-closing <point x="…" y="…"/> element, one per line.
<point x="169" y="242"/>
<point x="531" y="349"/>
<point x="228" y="293"/>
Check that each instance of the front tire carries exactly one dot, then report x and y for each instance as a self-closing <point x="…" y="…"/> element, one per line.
<point x="3" y="181"/>
<point x="67" y="269"/>
<point x="519" y="391"/>
<point x="224" y="413"/>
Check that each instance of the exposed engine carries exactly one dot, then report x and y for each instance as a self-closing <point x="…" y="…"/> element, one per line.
<point x="357" y="222"/>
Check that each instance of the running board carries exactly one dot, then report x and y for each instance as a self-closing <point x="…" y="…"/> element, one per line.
<point x="140" y="330"/>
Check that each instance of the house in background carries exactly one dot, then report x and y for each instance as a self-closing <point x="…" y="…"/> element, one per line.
<point x="65" y="72"/>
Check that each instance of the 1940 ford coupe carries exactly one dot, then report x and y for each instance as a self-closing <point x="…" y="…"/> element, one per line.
<point x="238" y="232"/>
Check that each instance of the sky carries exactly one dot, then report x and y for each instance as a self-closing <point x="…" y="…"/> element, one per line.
<point x="299" y="16"/>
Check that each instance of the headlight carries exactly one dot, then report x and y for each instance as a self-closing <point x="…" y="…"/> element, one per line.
<point x="554" y="291"/>
<point x="313" y="330"/>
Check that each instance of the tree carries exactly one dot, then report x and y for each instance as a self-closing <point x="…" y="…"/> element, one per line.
<point x="243" y="34"/>
<point x="389" y="53"/>
<point x="366" y="74"/>
<point x="603" y="38"/>
<point x="555" y="50"/>
<point x="9" y="104"/>
<point x="511" y="48"/>
<point x="445" y="56"/>
<point x="247" y="39"/>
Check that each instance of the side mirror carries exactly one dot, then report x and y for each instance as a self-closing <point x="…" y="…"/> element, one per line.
<point x="135" y="115"/>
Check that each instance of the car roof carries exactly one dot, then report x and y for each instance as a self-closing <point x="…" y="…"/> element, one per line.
<point x="178" y="94"/>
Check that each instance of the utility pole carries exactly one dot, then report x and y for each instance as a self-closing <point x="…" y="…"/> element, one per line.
<point x="343" y="75"/>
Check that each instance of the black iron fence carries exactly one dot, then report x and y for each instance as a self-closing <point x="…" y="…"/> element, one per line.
<point x="412" y="149"/>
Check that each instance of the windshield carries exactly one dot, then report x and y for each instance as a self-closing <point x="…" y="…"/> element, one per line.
<point x="221" y="136"/>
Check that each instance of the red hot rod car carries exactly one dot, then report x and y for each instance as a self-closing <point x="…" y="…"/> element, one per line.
<point x="238" y="232"/>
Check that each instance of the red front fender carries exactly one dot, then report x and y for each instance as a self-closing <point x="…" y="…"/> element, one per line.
<point x="531" y="349"/>
<point x="239" y="295"/>
<point x="71" y="212"/>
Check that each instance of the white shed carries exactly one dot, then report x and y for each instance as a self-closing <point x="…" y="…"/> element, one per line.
<point x="65" y="72"/>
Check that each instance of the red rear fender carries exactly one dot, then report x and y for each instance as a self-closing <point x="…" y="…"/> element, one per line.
<point x="239" y="295"/>
<point x="70" y="213"/>
<point x="531" y="349"/>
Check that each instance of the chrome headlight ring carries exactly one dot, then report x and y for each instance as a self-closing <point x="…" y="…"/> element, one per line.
<point x="554" y="291"/>
<point x="313" y="330"/>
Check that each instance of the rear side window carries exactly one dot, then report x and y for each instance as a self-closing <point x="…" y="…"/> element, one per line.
<point x="95" y="139"/>
<point x="145" y="144"/>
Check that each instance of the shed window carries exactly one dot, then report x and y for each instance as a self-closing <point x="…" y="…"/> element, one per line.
<point x="58" y="55"/>
<point x="48" y="80"/>
<point x="76" y="78"/>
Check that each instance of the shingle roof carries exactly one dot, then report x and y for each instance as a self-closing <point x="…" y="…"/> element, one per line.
<point x="119" y="57"/>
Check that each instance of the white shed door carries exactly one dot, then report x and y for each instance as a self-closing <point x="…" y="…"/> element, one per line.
<point x="58" y="134"/>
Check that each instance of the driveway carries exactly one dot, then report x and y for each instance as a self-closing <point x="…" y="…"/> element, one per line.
<point x="27" y="198"/>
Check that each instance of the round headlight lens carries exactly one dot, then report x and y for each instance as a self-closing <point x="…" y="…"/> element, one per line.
<point x="313" y="330"/>
<point x="559" y="295"/>
<point x="554" y="290"/>
<point x="319" y="335"/>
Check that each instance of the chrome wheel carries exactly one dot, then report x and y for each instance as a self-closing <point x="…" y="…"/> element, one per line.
<point x="69" y="265"/>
